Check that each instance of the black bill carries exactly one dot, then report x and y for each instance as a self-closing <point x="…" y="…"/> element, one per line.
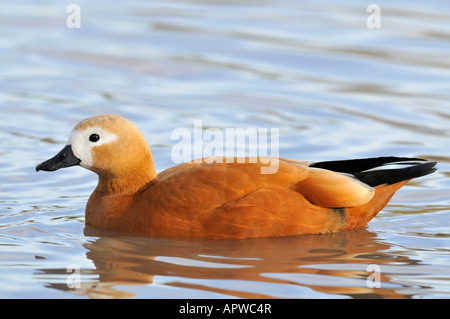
<point x="65" y="158"/>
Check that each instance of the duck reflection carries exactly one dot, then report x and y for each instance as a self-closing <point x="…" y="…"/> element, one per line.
<point x="319" y="265"/>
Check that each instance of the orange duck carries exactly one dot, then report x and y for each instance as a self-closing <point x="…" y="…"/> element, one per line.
<point x="213" y="198"/>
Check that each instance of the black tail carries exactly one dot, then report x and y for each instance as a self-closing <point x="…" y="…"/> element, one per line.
<point x="371" y="172"/>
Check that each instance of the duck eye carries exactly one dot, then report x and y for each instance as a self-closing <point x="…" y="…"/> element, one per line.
<point x="94" y="138"/>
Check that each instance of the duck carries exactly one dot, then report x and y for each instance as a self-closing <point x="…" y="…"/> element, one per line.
<point x="223" y="198"/>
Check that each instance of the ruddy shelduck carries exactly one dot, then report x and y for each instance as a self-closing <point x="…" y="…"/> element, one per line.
<point x="223" y="198"/>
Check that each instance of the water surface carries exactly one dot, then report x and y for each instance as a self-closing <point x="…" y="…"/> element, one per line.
<point x="334" y="88"/>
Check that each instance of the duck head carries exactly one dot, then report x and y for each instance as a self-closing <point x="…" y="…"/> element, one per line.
<point x="110" y="146"/>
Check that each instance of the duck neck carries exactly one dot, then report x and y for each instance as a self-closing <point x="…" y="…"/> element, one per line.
<point x="126" y="186"/>
<point x="129" y="182"/>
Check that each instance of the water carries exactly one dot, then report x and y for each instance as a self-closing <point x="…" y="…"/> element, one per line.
<point x="335" y="89"/>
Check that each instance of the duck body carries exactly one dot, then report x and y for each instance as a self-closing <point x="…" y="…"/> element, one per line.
<point x="224" y="198"/>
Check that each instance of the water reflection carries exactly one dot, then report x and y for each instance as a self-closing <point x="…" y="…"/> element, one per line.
<point x="311" y="266"/>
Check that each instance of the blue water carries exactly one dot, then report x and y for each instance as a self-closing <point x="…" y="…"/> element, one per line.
<point x="333" y="87"/>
